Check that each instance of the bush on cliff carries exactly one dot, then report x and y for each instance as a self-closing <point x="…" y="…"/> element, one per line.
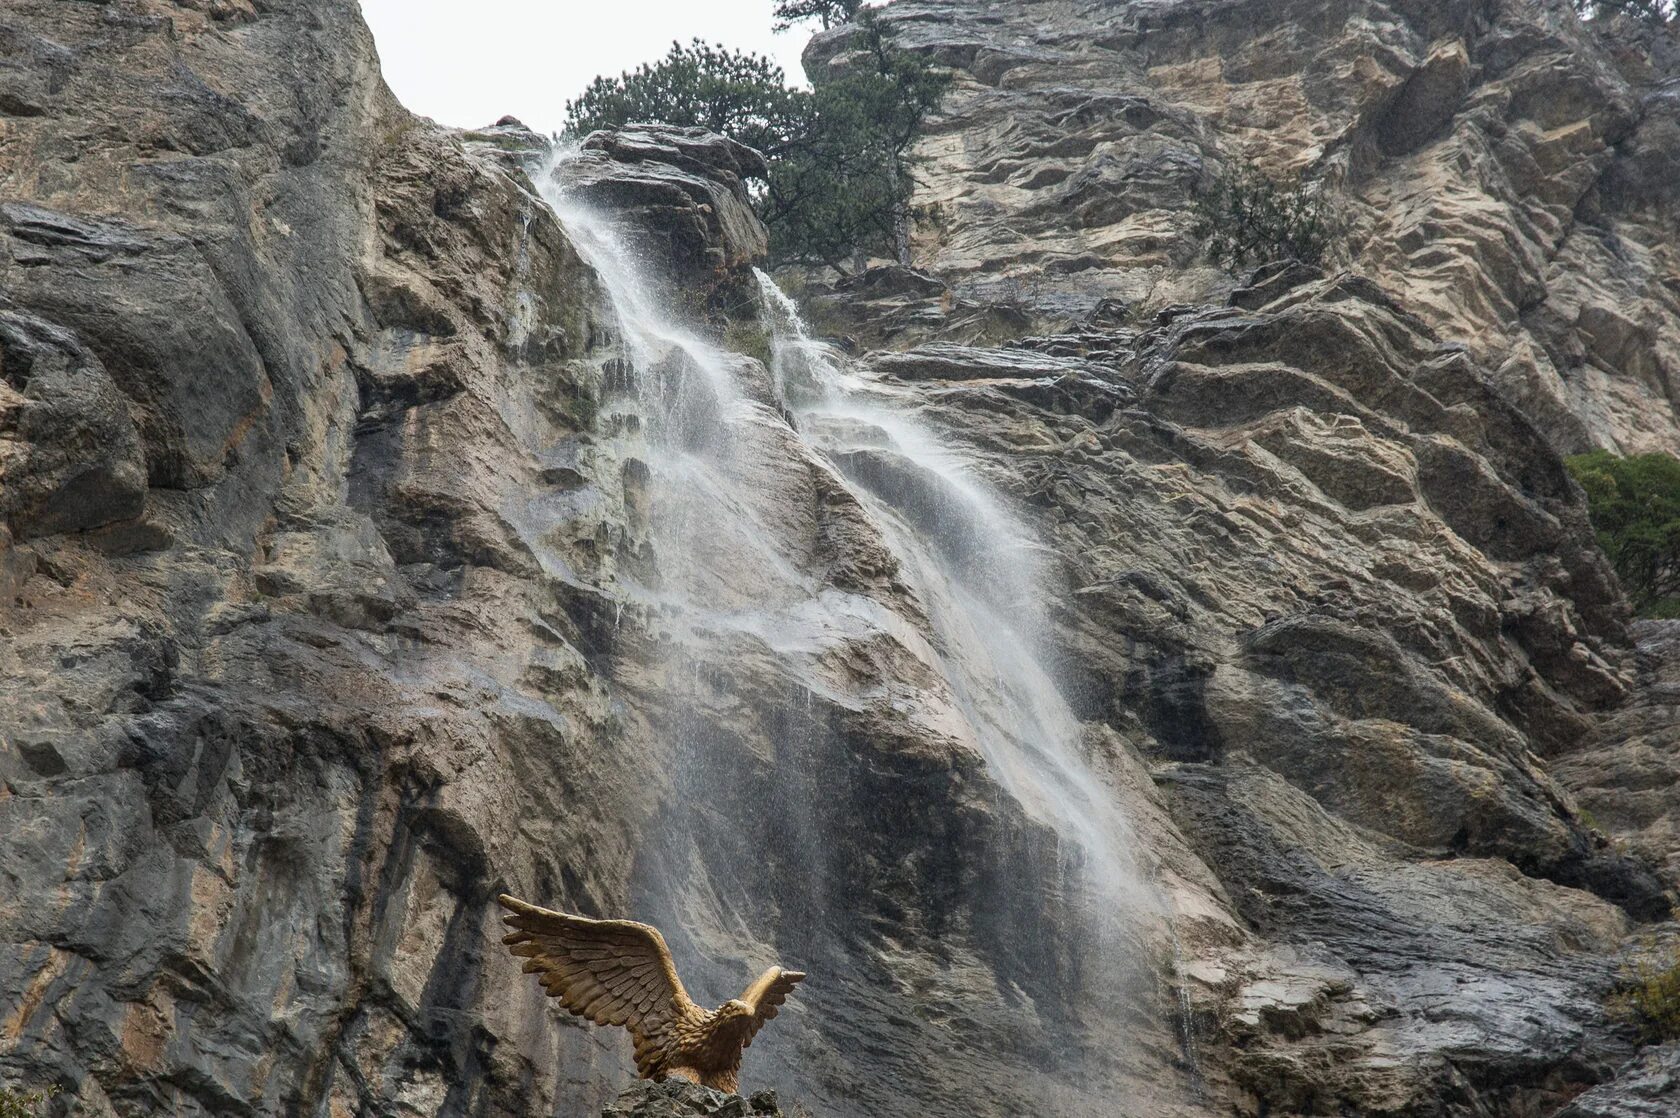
<point x="840" y="175"/>
<point x="19" y="1104"/>
<point x="1649" y="997"/>
<point x="1635" y="507"/>
<point x="843" y="189"/>
<point x="1247" y="218"/>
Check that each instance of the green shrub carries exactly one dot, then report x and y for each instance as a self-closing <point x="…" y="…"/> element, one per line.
<point x="1635" y="507"/>
<point x="1649" y="998"/>
<point x="24" y="1104"/>
<point x="1248" y="218"/>
<point x="741" y="95"/>
<point x="750" y="339"/>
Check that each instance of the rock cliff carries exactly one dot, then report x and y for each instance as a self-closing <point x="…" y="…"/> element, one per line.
<point x="353" y="571"/>
<point x="1503" y="170"/>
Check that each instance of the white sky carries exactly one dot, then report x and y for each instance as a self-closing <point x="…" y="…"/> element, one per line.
<point x="468" y="62"/>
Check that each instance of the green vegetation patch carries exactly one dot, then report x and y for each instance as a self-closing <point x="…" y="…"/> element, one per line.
<point x="1247" y="218"/>
<point x="24" y="1104"/>
<point x="830" y="13"/>
<point x="1649" y="998"/>
<point x="1655" y="13"/>
<point x="1635" y="507"/>
<point x="839" y="153"/>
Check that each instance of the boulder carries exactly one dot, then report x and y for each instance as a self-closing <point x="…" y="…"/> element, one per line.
<point x="680" y="192"/>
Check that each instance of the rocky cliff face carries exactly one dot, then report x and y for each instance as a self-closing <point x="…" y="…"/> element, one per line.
<point x="1505" y="172"/>
<point x="343" y="587"/>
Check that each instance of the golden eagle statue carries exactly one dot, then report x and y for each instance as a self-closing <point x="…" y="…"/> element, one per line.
<point x="619" y="972"/>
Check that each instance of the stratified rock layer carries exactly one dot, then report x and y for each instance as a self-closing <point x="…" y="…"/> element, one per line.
<point x="1505" y="171"/>
<point x="318" y="516"/>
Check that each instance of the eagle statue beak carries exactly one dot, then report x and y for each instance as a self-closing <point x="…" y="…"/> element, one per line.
<point x="775" y="976"/>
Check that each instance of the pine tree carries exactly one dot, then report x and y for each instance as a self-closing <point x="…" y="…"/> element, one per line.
<point x="1656" y="13"/>
<point x="840" y="174"/>
<point x="846" y="190"/>
<point x="740" y="95"/>
<point x="830" y="12"/>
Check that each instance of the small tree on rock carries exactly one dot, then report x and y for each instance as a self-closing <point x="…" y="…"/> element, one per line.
<point x="735" y="93"/>
<point x="829" y="12"/>
<point x="846" y="188"/>
<point x="1656" y="13"/>
<point x="840" y="176"/>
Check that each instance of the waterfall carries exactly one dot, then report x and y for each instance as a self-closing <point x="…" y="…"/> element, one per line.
<point x="728" y="459"/>
<point x="979" y="573"/>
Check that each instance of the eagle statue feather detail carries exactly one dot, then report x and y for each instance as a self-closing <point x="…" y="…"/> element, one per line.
<point x="619" y="972"/>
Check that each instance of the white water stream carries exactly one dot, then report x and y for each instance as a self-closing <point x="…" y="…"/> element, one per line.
<point x="978" y="573"/>
<point x="728" y="448"/>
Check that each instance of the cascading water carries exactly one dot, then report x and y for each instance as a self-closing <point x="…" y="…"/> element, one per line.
<point x="736" y="477"/>
<point x="979" y="575"/>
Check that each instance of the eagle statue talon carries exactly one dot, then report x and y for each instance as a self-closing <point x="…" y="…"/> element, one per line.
<point x="619" y="972"/>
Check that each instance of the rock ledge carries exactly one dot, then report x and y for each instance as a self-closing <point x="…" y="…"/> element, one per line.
<point x="677" y="1098"/>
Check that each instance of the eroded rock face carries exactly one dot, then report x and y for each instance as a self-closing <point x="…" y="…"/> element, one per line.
<point x="327" y="549"/>
<point x="1233" y="489"/>
<point x="284" y="369"/>
<point x="345" y="647"/>
<point x="677" y="1098"/>
<point x="1628" y="767"/>
<point x="1337" y="587"/>
<point x="1646" y="1088"/>
<point x="1501" y="169"/>
<point x="681" y="190"/>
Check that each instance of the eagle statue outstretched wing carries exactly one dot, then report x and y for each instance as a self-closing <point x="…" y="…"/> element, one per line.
<point x="619" y="972"/>
<point x="768" y="993"/>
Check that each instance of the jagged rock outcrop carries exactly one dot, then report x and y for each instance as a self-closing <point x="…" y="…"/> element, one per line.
<point x="681" y="193"/>
<point x="677" y="1098"/>
<point x="1625" y="772"/>
<point x="332" y="598"/>
<point x="1312" y="698"/>
<point x="314" y="349"/>
<point x="347" y="649"/>
<point x="1503" y="170"/>
<point x="1340" y="590"/>
<point x="1646" y="1088"/>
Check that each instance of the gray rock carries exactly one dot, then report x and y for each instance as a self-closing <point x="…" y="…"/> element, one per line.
<point x="71" y="459"/>
<point x="677" y="1098"/>
<point x="1648" y="1087"/>
<point x="1625" y="772"/>
<point x="1520" y="147"/>
<point x="1329" y="702"/>
<point x="681" y="192"/>
<point x="326" y="571"/>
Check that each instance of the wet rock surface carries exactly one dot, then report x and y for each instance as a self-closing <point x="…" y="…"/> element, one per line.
<point x="1646" y="1088"/>
<point x="319" y="540"/>
<point x="1347" y="684"/>
<point x="680" y="193"/>
<point x="1624" y="775"/>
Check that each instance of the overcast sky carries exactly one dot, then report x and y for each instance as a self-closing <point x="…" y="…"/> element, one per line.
<point x="467" y="64"/>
